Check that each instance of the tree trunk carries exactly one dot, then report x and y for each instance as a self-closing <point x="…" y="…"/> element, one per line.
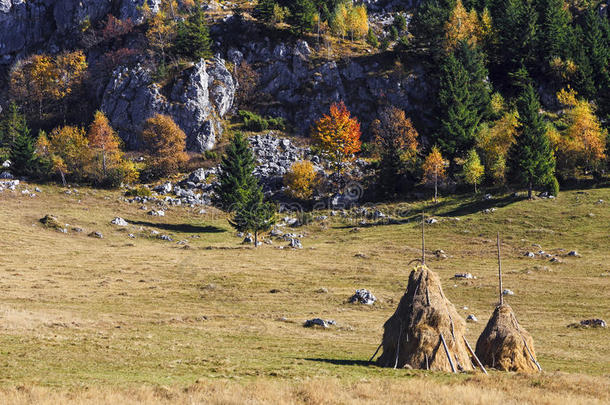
<point x="63" y="178"/>
<point x="435" y="187"/>
<point x="255" y="239"/>
<point x="529" y="189"/>
<point x="475" y="187"/>
<point x="104" y="162"/>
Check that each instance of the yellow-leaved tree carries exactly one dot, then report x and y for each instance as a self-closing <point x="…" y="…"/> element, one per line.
<point x="461" y="26"/>
<point x="581" y="145"/>
<point x="301" y="179"/>
<point x="67" y="149"/>
<point x="434" y="169"/>
<point x="473" y="170"/>
<point x="494" y="141"/>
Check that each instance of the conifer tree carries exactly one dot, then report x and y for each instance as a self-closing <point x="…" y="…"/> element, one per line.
<point x="23" y="153"/>
<point x="555" y="34"/>
<point x="236" y="181"/>
<point x="464" y="99"/>
<point x="193" y="36"/>
<point x="531" y="159"/>
<point x="12" y="124"/>
<point x="253" y="214"/>
<point x="302" y="15"/>
<point x="264" y="10"/>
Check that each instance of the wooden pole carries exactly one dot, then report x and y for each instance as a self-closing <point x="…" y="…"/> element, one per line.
<point x="473" y="354"/>
<point x="500" y="271"/>
<point x="376" y="351"/>
<point x="447" y="353"/>
<point x="423" y="241"/>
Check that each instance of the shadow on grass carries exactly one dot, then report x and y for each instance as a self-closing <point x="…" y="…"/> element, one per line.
<point x="185" y="228"/>
<point x="342" y="362"/>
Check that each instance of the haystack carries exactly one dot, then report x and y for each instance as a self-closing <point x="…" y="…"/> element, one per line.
<point x="505" y="345"/>
<point x="425" y="332"/>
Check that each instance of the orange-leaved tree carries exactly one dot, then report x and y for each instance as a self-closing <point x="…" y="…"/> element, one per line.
<point x="108" y="165"/>
<point x="337" y="135"/>
<point x="166" y="143"/>
<point x="434" y="169"/>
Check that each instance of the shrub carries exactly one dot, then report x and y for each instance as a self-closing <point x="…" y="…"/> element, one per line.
<point x="257" y="123"/>
<point x="139" y="191"/>
<point x="301" y="180"/>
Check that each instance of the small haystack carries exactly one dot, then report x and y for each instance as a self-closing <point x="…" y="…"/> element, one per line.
<point x="425" y="332"/>
<point x="505" y="345"/>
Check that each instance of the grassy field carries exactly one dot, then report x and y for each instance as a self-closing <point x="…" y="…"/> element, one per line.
<point x="145" y="320"/>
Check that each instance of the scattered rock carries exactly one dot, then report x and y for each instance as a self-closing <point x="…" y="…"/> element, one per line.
<point x="360" y="255"/>
<point x="322" y="290"/>
<point x="573" y="253"/>
<point x="166" y="238"/>
<point x="466" y="276"/>
<point x="96" y="234"/>
<point x="50" y="221"/>
<point x="431" y="221"/>
<point x="555" y="260"/>
<point x="164" y="188"/>
<point x="506" y="291"/>
<point x="6" y="176"/>
<point x="471" y="318"/>
<point x="295" y="244"/>
<point x="529" y="254"/>
<point x="159" y="213"/>
<point x="440" y="254"/>
<point x="319" y="322"/>
<point x="595" y="323"/>
<point x="363" y="296"/>
<point x="118" y="221"/>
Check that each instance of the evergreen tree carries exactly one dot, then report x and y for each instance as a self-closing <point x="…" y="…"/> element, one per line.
<point x="531" y="159"/>
<point x="253" y="214"/>
<point x="428" y="26"/>
<point x="556" y="37"/>
<point x="264" y="10"/>
<point x="516" y="24"/>
<point x="23" y="154"/>
<point x="13" y="123"/>
<point x="302" y="14"/>
<point x="236" y="180"/>
<point x="464" y="100"/>
<point x="193" y="36"/>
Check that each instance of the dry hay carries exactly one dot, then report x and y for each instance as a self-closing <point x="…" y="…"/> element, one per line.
<point x="505" y="345"/>
<point x="424" y="318"/>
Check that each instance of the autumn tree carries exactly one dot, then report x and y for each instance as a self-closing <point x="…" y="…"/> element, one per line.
<point x="494" y="140"/>
<point x="108" y="165"/>
<point x="248" y="80"/>
<point x="434" y="170"/>
<point x="396" y="140"/>
<point x="165" y="143"/>
<point x="339" y="20"/>
<point x="357" y="21"/>
<point x="473" y="170"/>
<point x="160" y="34"/>
<point x="583" y="141"/>
<point x="301" y="179"/>
<point x="462" y="26"/>
<point x="66" y="148"/>
<point x="42" y="81"/>
<point x="337" y="135"/>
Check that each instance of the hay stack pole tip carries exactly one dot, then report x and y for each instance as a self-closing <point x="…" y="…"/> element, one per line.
<point x="500" y="271"/>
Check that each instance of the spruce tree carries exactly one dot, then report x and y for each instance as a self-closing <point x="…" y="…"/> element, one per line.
<point x="12" y="124"/>
<point x="302" y="14"/>
<point x="531" y="159"/>
<point x="555" y="38"/>
<point x="193" y="36"/>
<point x="236" y="180"/>
<point x="428" y="27"/>
<point x="23" y="154"/>
<point x="464" y="99"/>
<point x="264" y="10"/>
<point x="253" y="214"/>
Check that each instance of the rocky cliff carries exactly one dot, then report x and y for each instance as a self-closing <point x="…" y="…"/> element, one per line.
<point x="197" y="100"/>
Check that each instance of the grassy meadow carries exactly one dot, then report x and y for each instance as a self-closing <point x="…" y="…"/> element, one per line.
<point x="208" y="320"/>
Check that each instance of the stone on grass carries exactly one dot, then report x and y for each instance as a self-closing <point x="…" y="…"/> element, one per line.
<point x="363" y="296"/>
<point x="506" y="291"/>
<point x="119" y="222"/>
<point x="96" y="234"/>
<point x="319" y="322"/>
<point x="472" y="318"/>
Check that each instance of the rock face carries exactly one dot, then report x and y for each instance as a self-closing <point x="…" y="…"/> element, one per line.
<point x="303" y="91"/>
<point x="27" y="26"/>
<point x="196" y="101"/>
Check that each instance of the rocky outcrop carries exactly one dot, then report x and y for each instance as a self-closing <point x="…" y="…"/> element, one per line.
<point x="50" y="25"/>
<point x="197" y="100"/>
<point x="303" y="89"/>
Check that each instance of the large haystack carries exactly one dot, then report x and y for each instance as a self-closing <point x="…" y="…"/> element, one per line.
<point x="505" y="345"/>
<point x="413" y="336"/>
